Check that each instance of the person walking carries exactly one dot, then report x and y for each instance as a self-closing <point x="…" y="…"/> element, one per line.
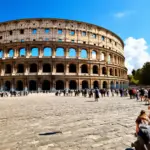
<point x="96" y="95"/>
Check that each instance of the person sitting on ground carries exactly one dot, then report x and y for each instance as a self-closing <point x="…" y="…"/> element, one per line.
<point x="141" y="119"/>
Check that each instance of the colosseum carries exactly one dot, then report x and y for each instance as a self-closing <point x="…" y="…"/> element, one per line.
<point x="48" y="54"/>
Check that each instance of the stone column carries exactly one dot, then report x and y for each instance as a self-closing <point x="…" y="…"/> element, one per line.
<point x="78" y="52"/>
<point x="91" y="84"/>
<point x="13" y="84"/>
<point x="39" y="88"/>
<point x="28" y="51"/>
<point x="66" y="52"/>
<point x="39" y="67"/>
<point x="25" y="84"/>
<point x="67" y="84"/>
<point x="90" y="69"/>
<point x="53" y="68"/>
<point x="40" y="51"/>
<point x="27" y="68"/>
<point x="67" y="69"/>
<point x="2" y="84"/>
<point x="53" y="52"/>
<point x="14" y="68"/>
<point x="89" y="54"/>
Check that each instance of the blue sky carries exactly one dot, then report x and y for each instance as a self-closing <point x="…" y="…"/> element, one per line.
<point x="127" y="18"/>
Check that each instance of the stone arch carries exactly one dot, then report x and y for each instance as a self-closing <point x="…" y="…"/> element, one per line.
<point x="102" y="56"/>
<point x="72" y="68"/>
<point x="20" y="68"/>
<point x="1" y="53"/>
<point x="111" y="72"/>
<point x="112" y="85"/>
<point x="72" y="52"/>
<point x="34" y="52"/>
<point x="59" y="68"/>
<point x="85" y="84"/>
<point x="47" y="51"/>
<point x="73" y="84"/>
<point x="19" y="85"/>
<point x="83" y="53"/>
<point x="8" y="68"/>
<point x="46" y="67"/>
<point x="95" y="69"/>
<point x="104" y="71"/>
<point x="10" y="53"/>
<point x="59" y="85"/>
<point x="7" y="86"/>
<point x="84" y="68"/>
<point x="32" y="85"/>
<point x="117" y="85"/>
<point x="22" y="52"/>
<point x="104" y="85"/>
<point x="46" y="85"/>
<point x="33" y="68"/>
<point x="95" y="84"/>
<point x="60" y="52"/>
<point x="94" y="54"/>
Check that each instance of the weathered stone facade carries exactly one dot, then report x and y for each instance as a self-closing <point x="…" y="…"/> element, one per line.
<point x="104" y="66"/>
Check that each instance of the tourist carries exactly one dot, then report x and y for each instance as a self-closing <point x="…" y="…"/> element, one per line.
<point x="96" y="95"/>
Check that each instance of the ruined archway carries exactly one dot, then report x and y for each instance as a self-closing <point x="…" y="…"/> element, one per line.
<point x="46" y="85"/>
<point x="32" y="85"/>
<point x="72" y="84"/>
<point x="59" y="85"/>
<point x="85" y="84"/>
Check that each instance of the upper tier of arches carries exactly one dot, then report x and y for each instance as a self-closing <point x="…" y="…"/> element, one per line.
<point x="59" y="30"/>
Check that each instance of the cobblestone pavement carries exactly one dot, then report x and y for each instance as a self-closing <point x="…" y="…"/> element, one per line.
<point x="86" y="125"/>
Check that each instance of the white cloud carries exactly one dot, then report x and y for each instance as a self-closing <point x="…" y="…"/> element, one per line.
<point x="123" y="14"/>
<point x="136" y="53"/>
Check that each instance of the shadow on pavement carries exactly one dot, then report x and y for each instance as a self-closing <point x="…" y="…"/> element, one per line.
<point x="50" y="133"/>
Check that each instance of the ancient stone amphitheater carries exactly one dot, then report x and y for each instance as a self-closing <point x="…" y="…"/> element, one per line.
<point x="48" y="54"/>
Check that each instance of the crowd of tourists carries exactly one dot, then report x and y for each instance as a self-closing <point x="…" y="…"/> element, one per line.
<point x="13" y="93"/>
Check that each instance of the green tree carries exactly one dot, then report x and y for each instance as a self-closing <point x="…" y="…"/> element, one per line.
<point x="145" y="74"/>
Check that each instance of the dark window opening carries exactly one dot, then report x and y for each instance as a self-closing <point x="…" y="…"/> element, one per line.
<point x="8" y="68"/>
<point x="72" y="68"/>
<point x="95" y="70"/>
<point x="103" y="38"/>
<point x="21" y="31"/>
<point x="95" y="84"/>
<point x="59" y="85"/>
<point x="73" y="85"/>
<point x="33" y="68"/>
<point x="32" y="85"/>
<point x="46" y="68"/>
<point x="34" y="40"/>
<point x="20" y="68"/>
<point x="1" y="37"/>
<point x="10" y="32"/>
<point x="104" y="71"/>
<point x="104" y="85"/>
<point x="10" y="41"/>
<point x="85" y="85"/>
<point x="46" y="85"/>
<point x="84" y="42"/>
<point x="7" y="86"/>
<point x="84" y="69"/>
<point x="59" y="68"/>
<point x="19" y="86"/>
<point x="111" y="72"/>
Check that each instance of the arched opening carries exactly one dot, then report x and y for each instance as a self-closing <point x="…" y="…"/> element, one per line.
<point x="19" y="85"/>
<point x="109" y="59"/>
<point x="72" y="84"/>
<point x="60" y="51"/>
<point x="104" y="85"/>
<point x="32" y="85"/>
<point x="94" y="54"/>
<point x="59" y="68"/>
<point x="117" y="85"/>
<point x="116" y="72"/>
<point x="46" y="68"/>
<point x="20" y="68"/>
<point x="47" y="51"/>
<point x="72" y="52"/>
<point x="33" y="68"/>
<point x="84" y="69"/>
<point x="95" y="84"/>
<point x="104" y="71"/>
<point x="95" y="69"/>
<point x="8" y="68"/>
<point x="102" y="56"/>
<point x="112" y="85"/>
<point x="7" y="86"/>
<point x="85" y="84"/>
<point x="83" y="53"/>
<point x="1" y="53"/>
<point x="59" y="85"/>
<point x="46" y="85"/>
<point x="22" y="52"/>
<point x="121" y="85"/>
<point x="72" y="68"/>
<point x="110" y="72"/>
<point x="34" y="52"/>
<point x="11" y="53"/>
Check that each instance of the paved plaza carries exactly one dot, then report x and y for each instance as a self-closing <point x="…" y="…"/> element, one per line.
<point x="85" y="125"/>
